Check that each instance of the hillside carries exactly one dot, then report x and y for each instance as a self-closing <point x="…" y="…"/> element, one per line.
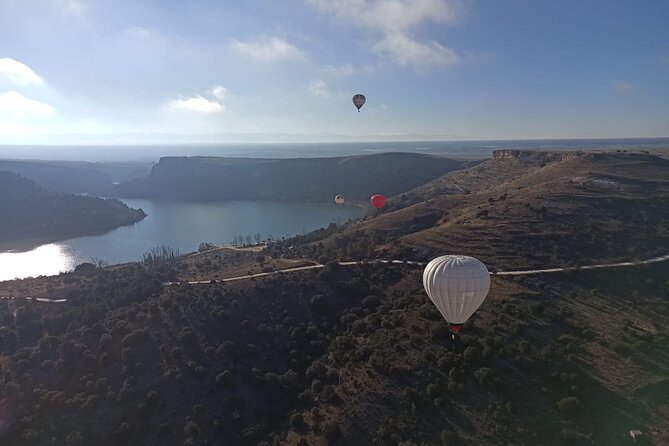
<point x="521" y="209"/>
<point x="74" y="177"/>
<point x="301" y="179"/>
<point x="344" y="356"/>
<point x="29" y="213"/>
<point x="358" y="355"/>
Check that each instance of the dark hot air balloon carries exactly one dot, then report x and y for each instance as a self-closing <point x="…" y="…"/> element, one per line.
<point x="359" y="101"/>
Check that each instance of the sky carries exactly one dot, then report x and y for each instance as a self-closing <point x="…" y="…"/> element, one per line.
<point x="155" y="71"/>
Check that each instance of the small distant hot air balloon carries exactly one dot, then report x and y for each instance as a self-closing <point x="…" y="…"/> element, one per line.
<point x="457" y="285"/>
<point x="339" y="200"/>
<point x="378" y="201"/>
<point x="359" y="101"/>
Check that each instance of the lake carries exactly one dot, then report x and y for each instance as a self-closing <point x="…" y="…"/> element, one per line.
<point x="180" y="225"/>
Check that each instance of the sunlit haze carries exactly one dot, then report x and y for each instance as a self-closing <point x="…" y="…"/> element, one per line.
<point x="97" y="71"/>
<point x="45" y="260"/>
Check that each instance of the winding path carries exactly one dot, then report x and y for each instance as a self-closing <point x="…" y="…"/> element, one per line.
<point x="663" y="258"/>
<point x="411" y="262"/>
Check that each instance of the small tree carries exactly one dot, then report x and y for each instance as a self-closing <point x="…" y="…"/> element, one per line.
<point x="74" y="438"/>
<point x="568" y="404"/>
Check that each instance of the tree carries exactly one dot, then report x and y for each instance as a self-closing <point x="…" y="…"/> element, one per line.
<point x="568" y="404"/>
<point x="74" y="438"/>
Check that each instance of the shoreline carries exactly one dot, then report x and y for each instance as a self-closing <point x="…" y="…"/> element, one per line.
<point x="28" y="244"/>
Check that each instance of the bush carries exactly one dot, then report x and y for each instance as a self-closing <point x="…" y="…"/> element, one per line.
<point x="568" y="404"/>
<point x="192" y="430"/>
<point x="296" y="420"/>
<point x="472" y="354"/>
<point x="331" y="430"/>
<point x="547" y="353"/>
<point x="448" y="438"/>
<point x="74" y="438"/>
<point x="486" y="377"/>
<point x="621" y="349"/>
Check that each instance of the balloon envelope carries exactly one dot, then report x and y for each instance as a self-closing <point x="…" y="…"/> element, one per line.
<point x="339" y="200"/>
<point x="378" y="201"/>
<point x="457" y="285"/>
<point x="359" y="101"/>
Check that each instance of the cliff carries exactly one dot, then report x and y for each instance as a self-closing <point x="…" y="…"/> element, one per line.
<point x="298" y="179"/>
<point x="536" y="155"/>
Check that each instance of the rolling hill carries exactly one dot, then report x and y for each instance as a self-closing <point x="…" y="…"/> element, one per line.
<point x="74" y="177"/>
<point x="30" y="213"/>
<point x="524" y="209"/>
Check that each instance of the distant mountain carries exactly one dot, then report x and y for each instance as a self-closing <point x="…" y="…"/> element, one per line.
<point x="303" y="179"/>
<point x="29" y="213"/>
<point x="75" y="177"/>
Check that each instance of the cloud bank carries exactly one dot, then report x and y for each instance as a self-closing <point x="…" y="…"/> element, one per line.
<point x="397" y="22"/>
<point x="18" y="73"/>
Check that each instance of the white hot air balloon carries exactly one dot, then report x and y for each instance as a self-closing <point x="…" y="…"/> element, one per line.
<point x="457" y="285"/>
<point x="339" y="200"/>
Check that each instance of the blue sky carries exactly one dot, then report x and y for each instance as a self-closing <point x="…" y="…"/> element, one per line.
<point x="281" y="70"/>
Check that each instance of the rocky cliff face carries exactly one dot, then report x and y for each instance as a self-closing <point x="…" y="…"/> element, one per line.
<point x="297" y="179"/>
<point x="535" y="155"/>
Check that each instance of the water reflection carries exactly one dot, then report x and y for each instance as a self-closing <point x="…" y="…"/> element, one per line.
<point x="180" y="225"/>
<point x="44" y="260"/>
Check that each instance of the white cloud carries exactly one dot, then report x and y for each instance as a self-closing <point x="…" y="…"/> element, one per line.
<point x="72" y="7"/>
<point x="195" y="104"/>
<point x="14" y="102"/>
<point x="219" y="92"/>
<point x="18" y="73"/>
<point x="339" y="70"/>
<point x="396" y="20"/>
<point x="319" y="88"/>
<point x="404" y="50"/>
<point x="392" y="16"/>
<point x="268" y="49"/>
<point x="142" y="36"/>
<point x="622" y="87"/>
<point x="346" y="69"/>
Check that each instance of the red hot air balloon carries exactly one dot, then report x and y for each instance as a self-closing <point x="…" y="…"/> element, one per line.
<point x="378" y="201"/>
<point x="359" y="101"/>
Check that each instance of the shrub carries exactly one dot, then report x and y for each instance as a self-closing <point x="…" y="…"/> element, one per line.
<point x="486" y="377"/>
<point x="568" y="404"/>
<point x="74" y="438"/>
<point x="432" y="390"/>
<point x="331" y="430"/>
<point x="296" y="420"/>
<point x="224" y="378"/>
<point x="472" y="354"/>
<point x="192" y="430"/>
<point x="448" y="438"/>
<point x="621" y="349"/>
<point x="547" y="353"/>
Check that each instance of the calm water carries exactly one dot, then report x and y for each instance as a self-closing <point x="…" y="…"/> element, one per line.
<point x="181" y="225"/>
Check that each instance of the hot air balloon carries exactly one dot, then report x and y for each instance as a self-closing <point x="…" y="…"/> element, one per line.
<point x="339" y="200"/>
<point x="359" y="101"/>
<point x="378" y="201"/>
<point x="457" y="285"/>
